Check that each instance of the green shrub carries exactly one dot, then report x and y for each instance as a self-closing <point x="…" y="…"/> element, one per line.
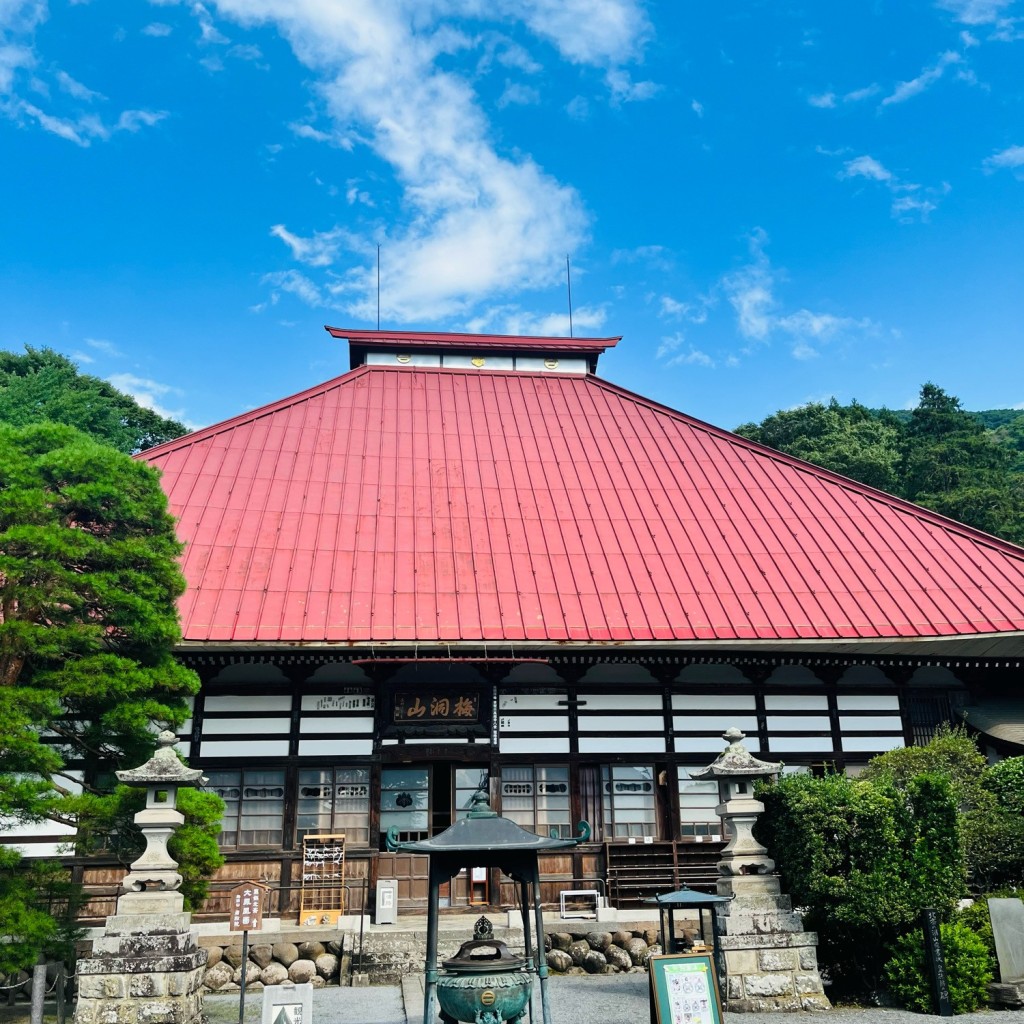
<point x="968" y="970"/>
<point x="863" y="859"/>
<point x="976" y="917"/>
<point x="1006" y="780"/>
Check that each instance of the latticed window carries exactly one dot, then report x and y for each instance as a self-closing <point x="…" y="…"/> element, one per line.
<point x="697" y="802"/>
<point x="253" y="806"/>
<point x="536" y="797"/>
<point x="405" y="802"/>
<point x="334" y="801"/>
<point x="627" y="799"/>
<point x="469" y="781"/>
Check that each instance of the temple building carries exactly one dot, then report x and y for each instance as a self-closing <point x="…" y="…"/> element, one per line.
<point x="471" y="563"/>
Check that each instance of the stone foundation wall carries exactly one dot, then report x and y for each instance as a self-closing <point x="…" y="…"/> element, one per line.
<point x="319" y="963"/>
<point x="387" y="956"/>
<point x="597" y="952"/>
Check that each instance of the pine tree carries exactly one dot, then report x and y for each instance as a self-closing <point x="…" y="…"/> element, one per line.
<point x="88" y="583"/>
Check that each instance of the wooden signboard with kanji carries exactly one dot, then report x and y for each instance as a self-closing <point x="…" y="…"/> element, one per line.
<point x="323" y="879"/>
<point x="247" y="902"/>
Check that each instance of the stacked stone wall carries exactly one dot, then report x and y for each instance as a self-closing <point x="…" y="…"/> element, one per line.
<point x="387" y="956"/>
<point x="319" y="963"/>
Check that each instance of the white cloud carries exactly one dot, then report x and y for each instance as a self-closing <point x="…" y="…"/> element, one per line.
<point x="86" y="128"/>
<point x="75" y="89"/>
<point x="511" y="319"/>
<point x="670" y="350"/>
<point x="54" y="125"/>
<point x="824" y="100"/>
<point x="133" y="120"/>
<point x="751" y="290"/>
<point x="517" y="94"/>
<point x="157" y="29"/>
<point x="1012" y="157"/>
<point x="625" y="90"/>
<point x="108" y="348"/>
<point x="355" y="194"/>
<point x="578" y="108"/>
<point x="905" y="90"/>
<point x="856" y="95"/>
<point x="865" y="167"/>
<point x="320" y="250"/>
<point x="807" y="326"/>
<point x="82" y="357"/>
<point x="294" y="283"/>
<point x="655" y="256"/>
<point x="307" y="131"/>
<point x="672" y="309"/>
<point x="148" y="393"/>
<point x="500" y="49"/>
<point x="479" y="224"/>
<point x="585" y="31"/>
<point x="975" y="12"/>
<point x="209" y="34"/>
<point x="697" y="107"/>
<point x="909" y="201"/>
<point x="18" y="19"/>
<point x="246" y="51"/>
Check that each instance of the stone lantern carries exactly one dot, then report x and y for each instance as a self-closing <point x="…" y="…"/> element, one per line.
<point x="155" y="871"/>
<point x="769" y="961"/>
<point x="736" y="771"/>
<point x="146" y="967"/>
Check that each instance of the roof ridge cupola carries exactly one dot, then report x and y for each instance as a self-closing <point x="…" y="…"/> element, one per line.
<point x="489" y="352"/>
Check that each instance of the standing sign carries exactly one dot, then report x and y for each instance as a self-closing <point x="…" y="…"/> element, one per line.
<point x="245" y="914"/>
<point x="684" y="989"/>
<point x="936" y="962"/>
<point x="246" y="911"/>
<point x="288" y="1004"/>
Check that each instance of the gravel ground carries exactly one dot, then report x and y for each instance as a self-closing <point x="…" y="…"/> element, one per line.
<point x="611" y="999"/>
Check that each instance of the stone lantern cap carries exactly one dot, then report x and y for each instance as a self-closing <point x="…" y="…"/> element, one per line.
<point x="163" y="768"/>
<point x="736" y="761"/>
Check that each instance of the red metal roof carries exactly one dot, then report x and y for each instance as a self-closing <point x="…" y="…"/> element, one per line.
<point x="436" y="504"/>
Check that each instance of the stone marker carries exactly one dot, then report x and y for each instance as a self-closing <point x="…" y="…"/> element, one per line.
<point x="288" y="1004"/>
<point x="1008" y="930"/>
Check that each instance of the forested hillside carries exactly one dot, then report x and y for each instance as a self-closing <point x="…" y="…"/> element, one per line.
<point x="968" y="466"/>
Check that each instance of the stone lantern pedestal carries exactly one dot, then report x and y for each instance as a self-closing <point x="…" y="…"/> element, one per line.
<point x="146" y="967"/>
<point x="770" y="961"/>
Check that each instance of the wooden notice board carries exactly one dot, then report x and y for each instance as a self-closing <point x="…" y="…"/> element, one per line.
<point x="323" y="879"/>
<point x="684" y="989"/>
<point x="246" y="905"/>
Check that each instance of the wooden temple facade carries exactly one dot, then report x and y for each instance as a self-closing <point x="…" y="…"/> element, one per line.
<point x="471" y="563"/>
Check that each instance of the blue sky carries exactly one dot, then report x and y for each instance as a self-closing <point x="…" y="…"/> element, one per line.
<point x="773" y="202"/>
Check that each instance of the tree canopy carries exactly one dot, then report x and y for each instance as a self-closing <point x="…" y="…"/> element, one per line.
<point x="88" y="583"/>
<point x="42" y="385"/>
<point x="938" y="455"/>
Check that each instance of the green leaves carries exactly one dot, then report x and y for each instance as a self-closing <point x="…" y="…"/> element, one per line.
<point x="88" y="583"/>
<point x="967" y="970"/>
<point x="938" y="456"/>
<point x="863" y="857"/>
<point x="42" y="385"/>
